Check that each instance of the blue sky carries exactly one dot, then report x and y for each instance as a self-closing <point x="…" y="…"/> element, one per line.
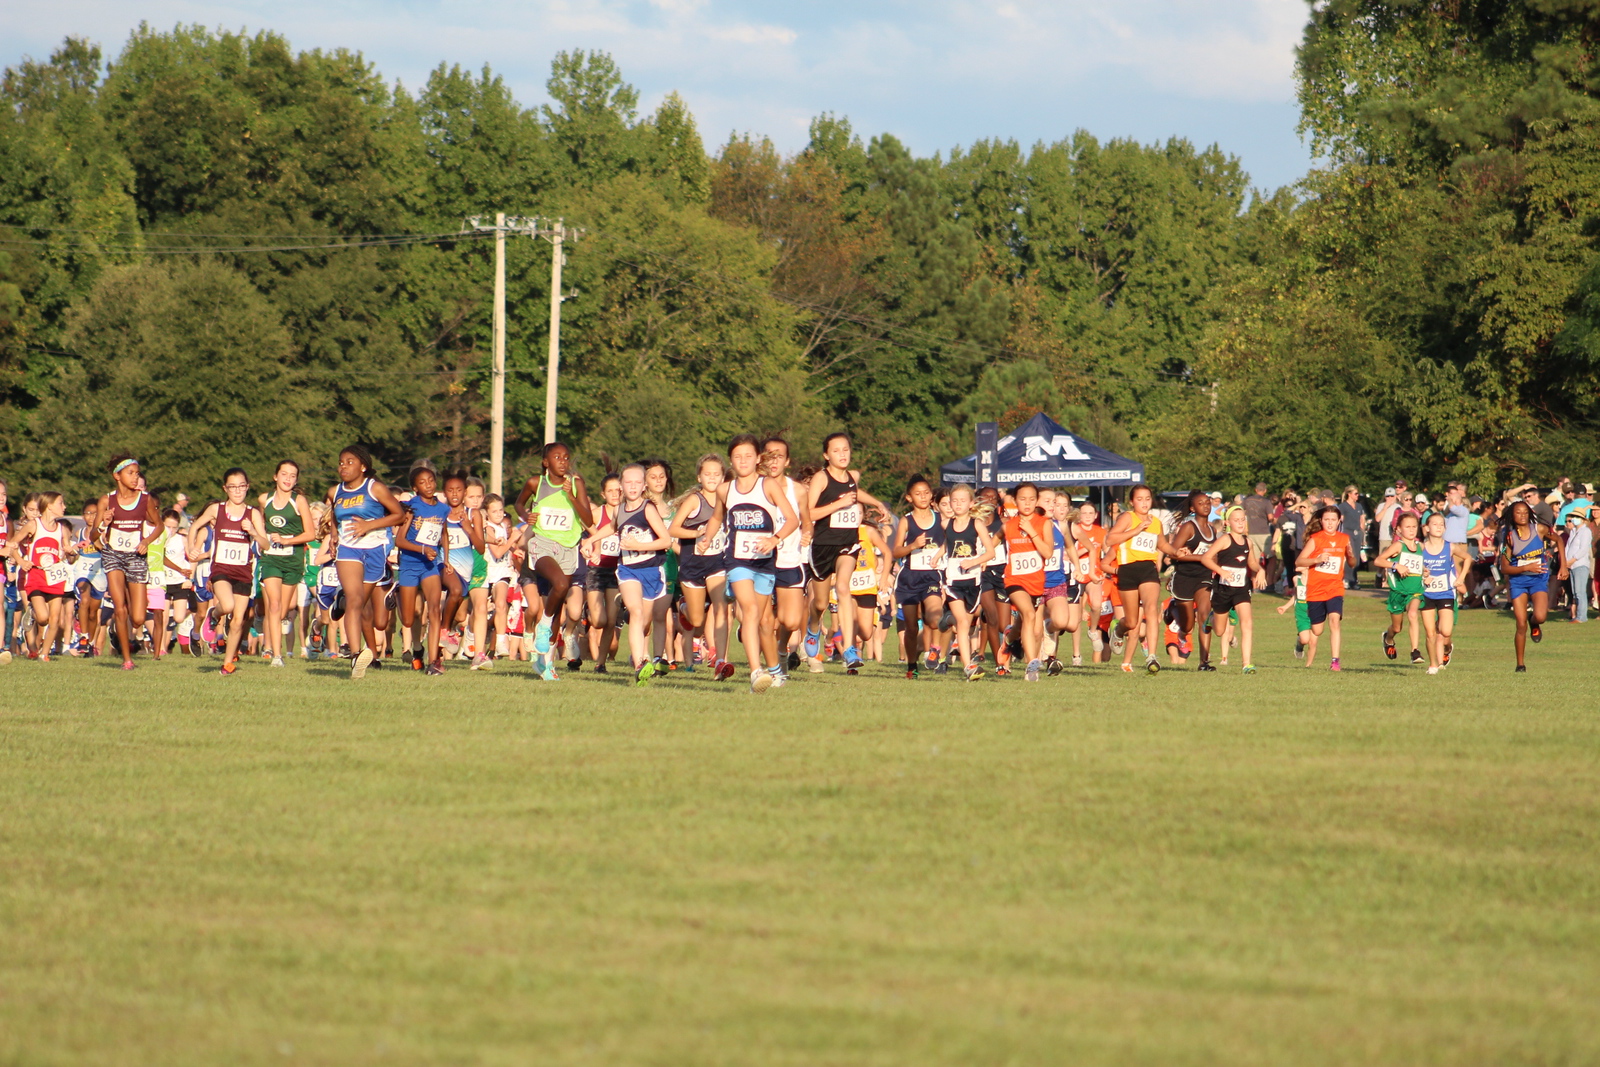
<point x="936" y="73"/>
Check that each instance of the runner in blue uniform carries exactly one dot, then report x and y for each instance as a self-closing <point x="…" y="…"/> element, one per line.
<point x="363" y="510"/>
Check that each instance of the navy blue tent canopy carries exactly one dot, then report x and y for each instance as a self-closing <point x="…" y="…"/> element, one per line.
<point x="1043" y="452"/>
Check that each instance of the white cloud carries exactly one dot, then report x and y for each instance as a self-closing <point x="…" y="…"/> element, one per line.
<point x="747" y="34"/>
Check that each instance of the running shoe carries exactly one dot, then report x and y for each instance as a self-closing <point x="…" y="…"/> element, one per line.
<point x="1096" y="639"/>
<point x="1077" y="661"/>
<point x="1127" y="668"/>
<point x="1299" y="649"/>
<point x="852" y="659"/>
<point x="1152" y="666"/>
<point x="814" y="666"/>
<point x="1334" y="666"/>
<point x="1536" y="632"/>
<point x="549" y="673"/>
<point x="541" y="638"/>
<point x="480" y="662"/>
<point x="726" y="670"/>
<point x="1520" y="669"/>
<point x="943" y="667"/>
<point x="418" y="660"/>
<point x="641" y="676"/>
<point x="1052" y="666"/>
<point x="932" y="665"/>
<point x="574" y="664"/>
<point x="127" y="665"/>
<point x="1388" y="645"/>
<point x="360" y="663"/>
<point x="228" y="668"/>
<point x="794" y="660"/>
<point x="1433" y="670"/>
<point x="1416" y="655"/>
<point x="973" y="673"/>
<point x="1248" y="668"/>
<point x="1002" y="671"/>
<point x="779" y="679"/>
<point x="760" y="681"/>
<point x="377" y="664"/>
<point x="911" y="674"/>
<point x="813" y="644"/>
<point x="5" y="657"/>
<point x="1032" y="673"/>
<point x="433" y="670"/>
<point x="600" y="668"/>
<point x="277" y="661"/>
<point x="1205" y="665"/>
<point x="1449" y="648"/>
<point x="1117" y="642"/>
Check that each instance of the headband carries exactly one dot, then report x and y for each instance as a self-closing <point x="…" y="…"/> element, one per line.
<point x="124" y="465"/>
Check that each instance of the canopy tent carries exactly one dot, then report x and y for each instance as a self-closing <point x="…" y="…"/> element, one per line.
<point x="1041" y="451"/>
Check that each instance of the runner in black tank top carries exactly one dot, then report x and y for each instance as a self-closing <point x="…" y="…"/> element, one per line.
<point x="837" y="506"/>
<point x="129" y="520"/>
<point x="1191" y="580"/>
<point x="1237" y="566"/>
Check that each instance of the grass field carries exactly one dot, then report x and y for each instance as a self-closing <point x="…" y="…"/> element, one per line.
<point x="1295" y="867"/>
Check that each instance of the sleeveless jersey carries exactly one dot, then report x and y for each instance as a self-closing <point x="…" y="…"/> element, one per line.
<point x="1198" y="543"/>
<point x="634" y="523"/>
<point x="1055" y="568"/>
<point x="1410" y="558"/>
<point x="842" y="527"/>
<point x="864" y="579"/>
<point x="233" y="547"/>
<point x="358" y="503"/>
<point x="997" y="531"/>
<point x="285" y="522"/>
<point x="1024" y="565"/>
<point x="960" y="545"/>
<point x="427" y="523"/>
<point x="751" y="518"/>
<point x="500" y="568"/>
<point x="1234" y="562"/>
<point x="48" y="570"/>
<point x="688" y="546"/>
<point x="1524" y="552"/>
<point x="555" y="517"/>
<point x="1438" y="573"/>
<point x="610" y="547"/>
<point x="925" y="559"/>
<point x="126" y="527"/>
<point x="790" y="554"/>
<point x="1141" y="547"/>
<point x="1091" y="543"/>
<point x="1326" y="580"/>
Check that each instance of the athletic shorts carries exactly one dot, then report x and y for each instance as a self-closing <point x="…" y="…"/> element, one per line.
<point x="868" y="602"/>
<point x="1013" y="590"/>
<point x="825" y="559"/>
<point x="1224" y="598"/>
<point x="766" y="581"/>
<point x="155" y="598"/>
<point x="134" y="566"/>
<point x="1399" y="601"/>
<point x="414" y="567"/>
<point x="1130" y="576"/>
<point x="290" y="570"/>
<point x="372" y="560"/>
<point x="993" y="580"/>
<point x="1528" y="584"/>
<point x="791" y="577"/>
<point x="916" y="586"/>
<point x="1430" y="603"/>
<point x="1057" y="592"/>
<point x="1319" y="610"/>
<point x="239" y="578"/>
<point x="539" y="547"/>
<point x="652" y="581"/>
<point x="600" y="579"/>
<point x="326" y="595"/>
<point x="695" y="571"/>
<point x="1185" y="583"/>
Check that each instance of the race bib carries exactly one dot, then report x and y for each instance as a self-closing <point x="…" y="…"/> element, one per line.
<point x="863" y="580"/>
<point x="1436" y="583"/>
<point x="1144" y="542"/>
<point x="555" y="519"/>
<point x="953" y="572"/>
<point x="633" y="559"/>
<point x="1411" y="561"/>
<point x="232" y="553"/>
<point x="1233" y="576"/>
<point x="280" y="550"/>
<point x="999" y="555"/>
<point x="1084" y="567"/>
<point x="846" y="518"/>
<point x="350" y="539"/>
<point x="1300" y="587"/>
<point x="1026" y="563"/>
<point x="57" y="573"/>
<point x="328" y="577"/>
<point x="611" y="546"/>
<point x="458" y="538"/>
<point x="719" y="542"/>
<point x="428" y="532"/>
<point x="746" y="545"/>
<point x="925" y="558"/>
<point x="1055" y="562"/>
<point x="123" y="540"/>
<point x="1331" y="566"/>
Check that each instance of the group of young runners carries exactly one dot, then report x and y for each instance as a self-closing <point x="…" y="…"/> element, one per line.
<point x="797" y="567"/>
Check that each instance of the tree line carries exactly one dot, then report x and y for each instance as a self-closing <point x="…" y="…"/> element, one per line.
<point x="218" y="251"/>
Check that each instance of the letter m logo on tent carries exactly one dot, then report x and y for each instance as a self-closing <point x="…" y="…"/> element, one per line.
<point x="1061" y="446"/>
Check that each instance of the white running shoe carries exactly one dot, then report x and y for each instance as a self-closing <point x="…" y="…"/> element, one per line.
<point x="760" y="681"/>
<point x="277" y="661"/>
<point x="1117" y="641"/>
<point x="359" y="665"/>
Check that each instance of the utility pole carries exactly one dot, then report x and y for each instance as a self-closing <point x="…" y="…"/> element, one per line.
<point x="557" y="233"/>
<point x="497" y="381"/>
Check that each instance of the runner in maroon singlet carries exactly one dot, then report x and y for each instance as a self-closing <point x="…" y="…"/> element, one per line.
<point x="130" y="518"/>
<point x="237" y="529"/>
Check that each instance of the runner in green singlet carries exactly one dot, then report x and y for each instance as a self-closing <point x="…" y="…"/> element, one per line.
<point x="286" y="514"/>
